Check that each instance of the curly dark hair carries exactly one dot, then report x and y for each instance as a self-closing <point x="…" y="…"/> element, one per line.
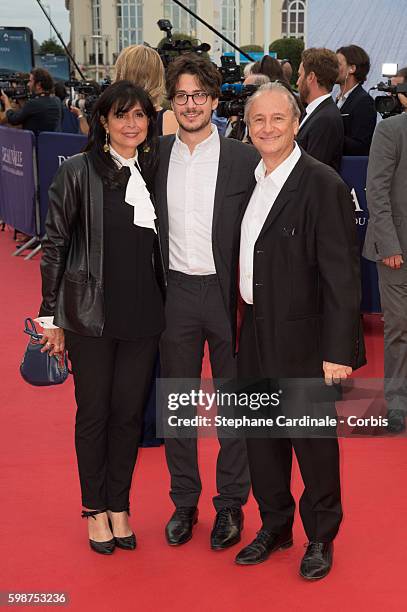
<point x="121" y="97"/>
<point x="42" y="77"/>
<point x="205" y="71"/>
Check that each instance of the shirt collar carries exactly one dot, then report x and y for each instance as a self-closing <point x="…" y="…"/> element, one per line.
<point x="347" y="94"/>
<point x="315" y="103"/>
<point x="279" y="176"/>
<point x="122" y="160"/>
<point x="206" y="144"/>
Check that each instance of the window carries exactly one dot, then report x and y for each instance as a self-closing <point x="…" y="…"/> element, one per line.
<point x="96" y="21"/>
<point x="293" y="19"/>
<point x="129" y="23"/>
<point x="182" y="21"/>
<point x="227" y="23"/>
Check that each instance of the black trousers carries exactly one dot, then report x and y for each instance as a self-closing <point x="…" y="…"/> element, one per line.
<point x="112" y="380"/>
<point x="270" y="461"/>
<point x="195" y="312"/>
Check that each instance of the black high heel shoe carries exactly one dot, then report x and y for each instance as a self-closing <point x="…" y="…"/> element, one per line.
<point x="126" y="543"/>
<point x="104" y="548"/>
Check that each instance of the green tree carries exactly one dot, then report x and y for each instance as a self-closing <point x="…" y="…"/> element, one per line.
<point x="253" y="48"/>
<point x="51" y="46"/>
<point x="289" y="48"/>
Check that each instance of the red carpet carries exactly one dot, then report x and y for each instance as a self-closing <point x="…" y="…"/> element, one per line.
<point x="43" y="543"/>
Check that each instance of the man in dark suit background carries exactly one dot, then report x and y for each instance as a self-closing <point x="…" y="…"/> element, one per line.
<point x="201" y="185"/>
<point x="356" y="106"/>
<point x="321" y="131"/>
<point x="299" y="279"/>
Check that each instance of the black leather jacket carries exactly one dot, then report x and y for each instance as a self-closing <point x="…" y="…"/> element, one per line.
<point x="72" y="261"/>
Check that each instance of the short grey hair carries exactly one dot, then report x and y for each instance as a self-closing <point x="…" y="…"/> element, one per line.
<point x="259" y="79"/>
<point x="248" y="69"/>
<point x="271" y="87"/>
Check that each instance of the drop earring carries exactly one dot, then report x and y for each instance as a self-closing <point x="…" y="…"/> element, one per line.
<point x="146" y="148"/>
<point x="106" y="147"/>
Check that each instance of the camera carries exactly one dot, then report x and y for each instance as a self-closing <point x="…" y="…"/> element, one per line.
<point x="87" y="93"/>
<point x="14" y="86"/>
<point x="172" y="48"/>
<point x="229" y="70"/>
<point x="233" y="99"/>
<point x="390" y="104"/>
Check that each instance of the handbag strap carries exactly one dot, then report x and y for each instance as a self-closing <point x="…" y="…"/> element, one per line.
<point x="30" y="329"/>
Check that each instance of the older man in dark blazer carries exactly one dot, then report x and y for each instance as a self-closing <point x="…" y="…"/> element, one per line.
<point x="201" y="186"/>
<point x="299" y="279"/>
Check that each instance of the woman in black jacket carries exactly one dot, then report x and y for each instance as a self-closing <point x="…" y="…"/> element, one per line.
<point x="101" y="296"/>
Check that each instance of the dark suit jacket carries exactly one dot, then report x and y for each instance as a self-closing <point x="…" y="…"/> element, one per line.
<point x="359" y="121"/>
<point x="237" y="162"/>
<point x="306" y="282"/>
<point x="322" y="134"/>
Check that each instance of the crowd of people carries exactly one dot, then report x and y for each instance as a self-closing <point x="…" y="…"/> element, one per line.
<point x="164" y="234"/>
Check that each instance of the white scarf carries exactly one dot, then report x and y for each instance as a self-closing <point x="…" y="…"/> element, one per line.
<point x="137" y="194"/>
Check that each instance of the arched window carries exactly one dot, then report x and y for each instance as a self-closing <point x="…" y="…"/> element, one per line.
<point x="129" y="23"/>
<point x="293" y="19"/>
<point x="228" y="23"/>
<point x="182" y="21"/>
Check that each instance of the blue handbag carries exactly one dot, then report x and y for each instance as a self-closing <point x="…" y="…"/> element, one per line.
<point x="41" y="369"/>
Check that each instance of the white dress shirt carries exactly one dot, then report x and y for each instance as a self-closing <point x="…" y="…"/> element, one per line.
<point x="263" y="197"/>
<point x="342" y="98"/>
<point x="312" y="106"/>
<point x="137" y="194"/>
<point x="191" y="188"/>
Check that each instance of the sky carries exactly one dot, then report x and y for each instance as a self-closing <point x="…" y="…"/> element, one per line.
<point x="27" y="13"/>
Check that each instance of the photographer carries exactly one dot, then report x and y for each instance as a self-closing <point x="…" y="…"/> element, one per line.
<point x="236" y="127"/>
<point x="42" y="112"/>
<point x="400" y="78"/>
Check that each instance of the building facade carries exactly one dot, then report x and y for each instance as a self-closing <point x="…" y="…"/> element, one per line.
<point x="100" y="29"/>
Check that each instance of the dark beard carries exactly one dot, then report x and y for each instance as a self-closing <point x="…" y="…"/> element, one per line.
<point x="192" y="129"/>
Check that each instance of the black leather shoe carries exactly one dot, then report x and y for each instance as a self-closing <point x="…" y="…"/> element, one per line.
<point x="179" y="528"/>
<point x="261" y="548"/>
<point x="104" y="548"/>
<point x="226" y="528"/>
<point x="317" y="561"/>
<point x="396" y="421"/>
<point x="126" y="542"/>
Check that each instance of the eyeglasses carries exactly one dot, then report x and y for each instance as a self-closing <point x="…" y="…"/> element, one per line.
<point x="199" y="98"/>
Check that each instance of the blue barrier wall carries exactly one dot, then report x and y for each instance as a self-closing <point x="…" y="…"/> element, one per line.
<point x="53" y="149"/>
<point x="353" y="172"/>
<point x="17" y="178"/>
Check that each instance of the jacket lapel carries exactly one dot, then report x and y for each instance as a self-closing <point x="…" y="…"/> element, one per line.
<point x="94" y="220"/>
<point x="350" y="100"/>
<point x="314" y="114"/>
<point x="224" y="168"/>
<point x="161" y="201"/>
<point x="285" y="195"/>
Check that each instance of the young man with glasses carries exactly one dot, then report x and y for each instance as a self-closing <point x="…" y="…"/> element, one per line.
<point x="201" y="187"/>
